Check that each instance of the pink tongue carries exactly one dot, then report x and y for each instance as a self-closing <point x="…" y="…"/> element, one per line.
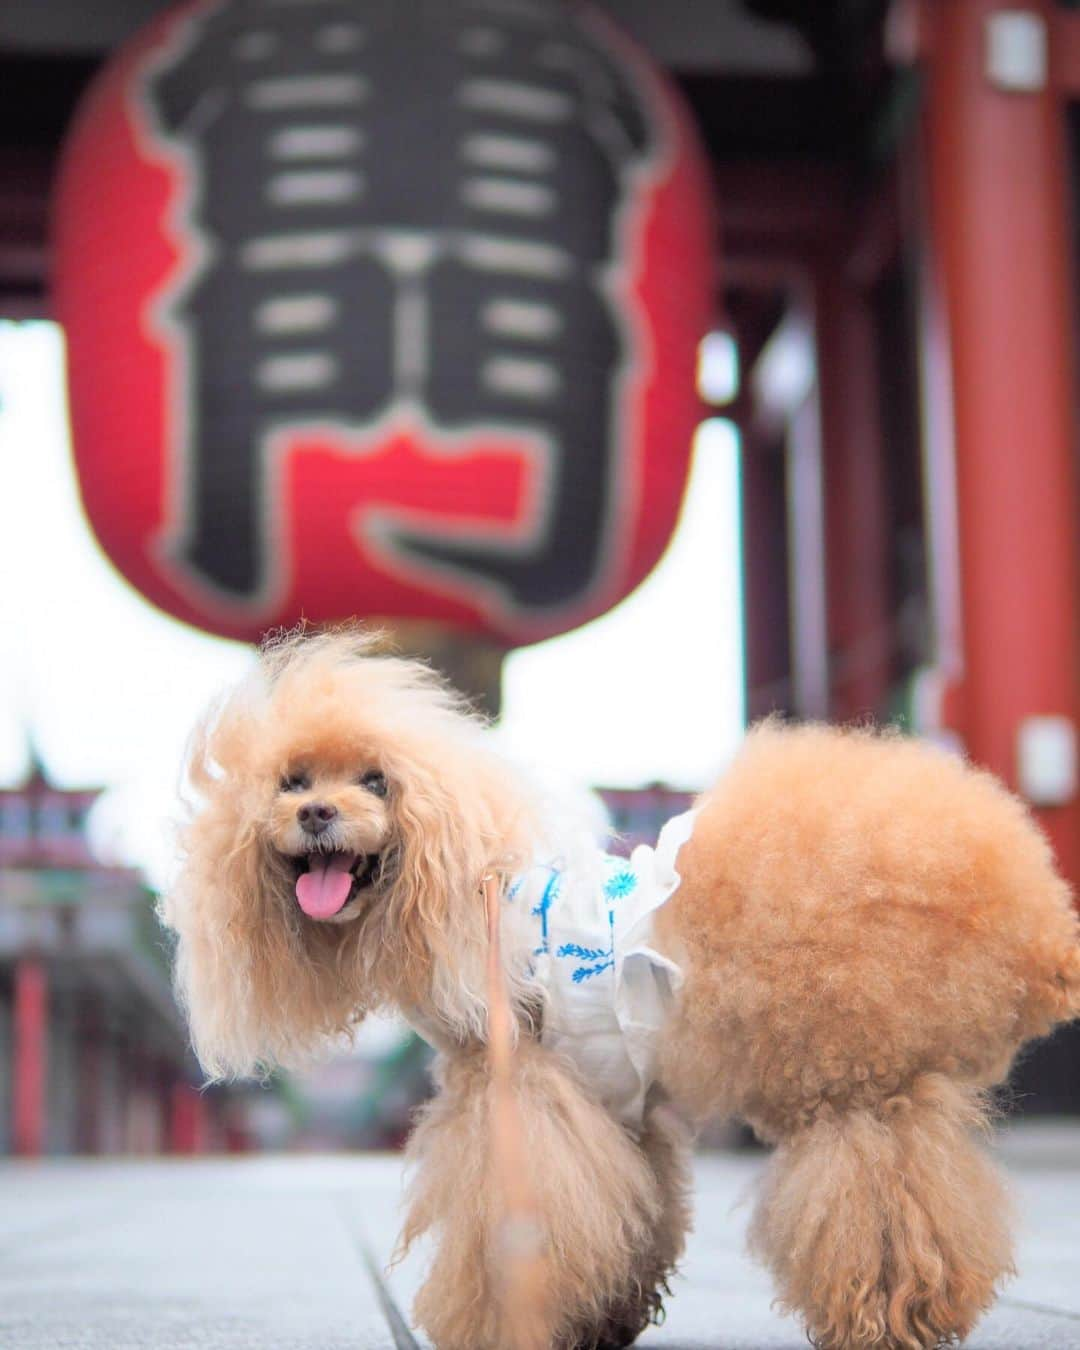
<point x="323" y="890"/>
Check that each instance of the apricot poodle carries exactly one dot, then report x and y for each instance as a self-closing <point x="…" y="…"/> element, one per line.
<point x="845" y="945"/>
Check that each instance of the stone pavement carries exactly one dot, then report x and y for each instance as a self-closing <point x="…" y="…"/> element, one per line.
<point x="265" y="1254"/>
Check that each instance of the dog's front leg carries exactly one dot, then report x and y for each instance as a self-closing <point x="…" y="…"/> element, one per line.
<point x="597" y="1196"/>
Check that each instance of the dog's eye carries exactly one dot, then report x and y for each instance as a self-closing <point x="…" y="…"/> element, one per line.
<point x="295" y="782"/>
<point x="374" y="782"/>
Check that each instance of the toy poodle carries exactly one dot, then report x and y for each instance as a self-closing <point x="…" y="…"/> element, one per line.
<point x="844" y="944"/>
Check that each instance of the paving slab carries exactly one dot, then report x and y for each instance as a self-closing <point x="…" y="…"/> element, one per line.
<point x="265" y="1253"/>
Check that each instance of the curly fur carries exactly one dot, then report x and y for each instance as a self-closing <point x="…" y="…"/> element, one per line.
<point x="887" y="1227"/>
<point x="613" y="1210"/>
<point x="869" y="930"/>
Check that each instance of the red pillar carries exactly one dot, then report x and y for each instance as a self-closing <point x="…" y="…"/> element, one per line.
<point x="1000" y="217"/>
<point x="853" y="487"/>
<point x="187" y="1120"/>
<point x="30" y="1030"/>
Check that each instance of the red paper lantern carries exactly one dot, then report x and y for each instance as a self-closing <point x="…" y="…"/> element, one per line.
<point x="384" y="308"/>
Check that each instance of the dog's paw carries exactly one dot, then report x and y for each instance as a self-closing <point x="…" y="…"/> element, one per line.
<point x="621" y="1327"/>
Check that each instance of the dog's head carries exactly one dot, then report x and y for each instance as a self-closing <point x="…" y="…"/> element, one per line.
<point x="348" y="807"/>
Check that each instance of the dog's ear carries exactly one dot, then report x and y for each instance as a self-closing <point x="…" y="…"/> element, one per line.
<point x="257" y="991"/>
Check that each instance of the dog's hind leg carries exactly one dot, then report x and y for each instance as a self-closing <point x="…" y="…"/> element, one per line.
<point x="887" y="1227"/>
<point x="598" y="1198"/>
<point x="665" y="1143"/>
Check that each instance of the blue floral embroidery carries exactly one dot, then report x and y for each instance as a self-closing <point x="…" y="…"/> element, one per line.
<point x="582" y="973"/>
<point x="583" y="953"/>
<point x="552" y="891"/>
<point x="620" y="883"/>
<point x="587" y="972"/>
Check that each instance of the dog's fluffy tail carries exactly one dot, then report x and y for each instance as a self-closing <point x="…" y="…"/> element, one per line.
<point x="887" y="1228"/>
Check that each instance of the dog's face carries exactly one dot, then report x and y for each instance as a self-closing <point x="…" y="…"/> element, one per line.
<point x="347" y="807"/>
<point x="333" y="825"/>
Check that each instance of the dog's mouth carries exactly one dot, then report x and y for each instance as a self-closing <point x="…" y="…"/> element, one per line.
<point x="327" y="882"/>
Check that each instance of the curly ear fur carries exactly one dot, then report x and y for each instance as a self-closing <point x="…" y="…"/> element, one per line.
<point x="262" y="984"/>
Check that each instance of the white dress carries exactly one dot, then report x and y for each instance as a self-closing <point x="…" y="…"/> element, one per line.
<point x="607" y="990"/>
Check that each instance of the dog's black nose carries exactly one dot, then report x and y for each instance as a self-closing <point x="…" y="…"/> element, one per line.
<point x="316" y="816"/>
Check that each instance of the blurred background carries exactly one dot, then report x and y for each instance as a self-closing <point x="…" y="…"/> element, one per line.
<point x="648" y="368"/>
